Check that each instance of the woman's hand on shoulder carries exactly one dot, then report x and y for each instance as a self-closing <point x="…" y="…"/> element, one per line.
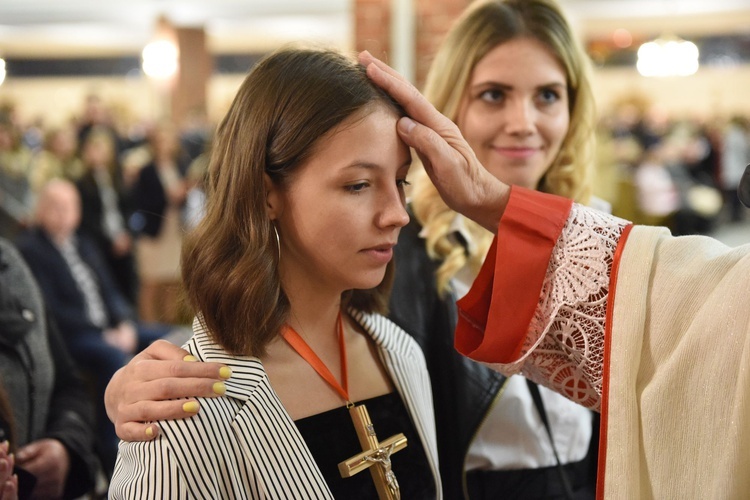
<point x="160" y="383"/>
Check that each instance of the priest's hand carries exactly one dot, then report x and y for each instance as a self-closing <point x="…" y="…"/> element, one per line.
<point x="160" y="383"/>
<point x="465" y="185"/>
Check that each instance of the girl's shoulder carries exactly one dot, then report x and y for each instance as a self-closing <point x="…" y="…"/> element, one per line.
<point x="386" y="334"/>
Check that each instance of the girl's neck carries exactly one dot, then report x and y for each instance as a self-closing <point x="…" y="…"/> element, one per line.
<point x="314" y="306"/>
<point x="314" y="319"/>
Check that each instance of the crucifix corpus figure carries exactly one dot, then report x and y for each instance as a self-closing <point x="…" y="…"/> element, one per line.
<point x="375" y="453"/>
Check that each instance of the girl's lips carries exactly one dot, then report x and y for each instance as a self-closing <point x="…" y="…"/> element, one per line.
<point x="382" y="254"/>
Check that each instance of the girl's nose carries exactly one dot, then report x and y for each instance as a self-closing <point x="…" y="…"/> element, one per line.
<point x="393" y="210"/>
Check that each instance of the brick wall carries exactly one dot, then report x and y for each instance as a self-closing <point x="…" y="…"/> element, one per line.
<point x="433" y="18"/>
<point x="196" y="66"/>
<point x="372" y="21"/>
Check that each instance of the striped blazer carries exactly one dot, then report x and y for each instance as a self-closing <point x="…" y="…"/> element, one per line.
<point x="245" y="445"/>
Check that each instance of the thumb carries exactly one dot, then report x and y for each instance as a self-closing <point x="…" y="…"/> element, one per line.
<point x="27" y="452"/>
<point x="431" y="148"/>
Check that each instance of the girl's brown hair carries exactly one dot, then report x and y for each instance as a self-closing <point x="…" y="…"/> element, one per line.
<point x="286" y="104"/>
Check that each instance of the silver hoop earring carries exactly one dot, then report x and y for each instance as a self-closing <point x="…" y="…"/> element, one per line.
<point x="278" y="241"/>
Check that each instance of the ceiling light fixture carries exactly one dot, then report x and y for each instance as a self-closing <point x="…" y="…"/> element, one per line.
<point x="667" y="56"/>
<point x="160" y="57"/>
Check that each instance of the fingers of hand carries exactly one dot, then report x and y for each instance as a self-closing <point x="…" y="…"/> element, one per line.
<point x="135" y="422"/>
<point x="365" y="59"/>
<point x="130" y="407"/>
<point x="45" y="457"/>
<point x="136" y="431"/>
<point x="10" y="489"/>
<point x="154" y="370"/>
<point x="428" y="144"/>
<point x="415" y="104"/>
<point x="161" y="349"/>
<point x="6" y="467"/>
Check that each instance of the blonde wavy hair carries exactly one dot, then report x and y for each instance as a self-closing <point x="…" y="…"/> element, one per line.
<point x="482" y="27"/>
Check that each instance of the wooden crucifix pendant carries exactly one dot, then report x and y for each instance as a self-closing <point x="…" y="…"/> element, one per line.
<point x="376" y="453"/>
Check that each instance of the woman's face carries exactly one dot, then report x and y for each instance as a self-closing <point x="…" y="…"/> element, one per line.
<point x="514" y="113"/>
<point x="165" y="142"/>
<point x="97" y="153"/>
<point x="341" y="213"/>
<point x="63" y="144"/>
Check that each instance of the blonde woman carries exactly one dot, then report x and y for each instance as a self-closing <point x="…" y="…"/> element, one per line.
<point x="514" y="80"/>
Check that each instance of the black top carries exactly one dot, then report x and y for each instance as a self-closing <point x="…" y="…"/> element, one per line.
<point x="331" y="438"/>
<point x="462" y="389"/>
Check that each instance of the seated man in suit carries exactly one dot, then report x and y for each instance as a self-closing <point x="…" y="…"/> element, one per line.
<point x="96" y="321"/>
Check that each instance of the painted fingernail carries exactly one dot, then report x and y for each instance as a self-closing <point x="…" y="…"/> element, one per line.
<point x="225" y="372"/>
<point x="149" y="431"/>
<point x="191" y="407"/>
<point x="190" y="357"/>
<point x="220" y="388"/>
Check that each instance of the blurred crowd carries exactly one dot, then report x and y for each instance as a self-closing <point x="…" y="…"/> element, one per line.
<point x="110" y="204"/>
<point x="656" y="169"/>
<point x="96" y="213"/>
<point x="140" y="185"/>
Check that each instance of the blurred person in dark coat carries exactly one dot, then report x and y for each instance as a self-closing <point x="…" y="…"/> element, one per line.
<point x="105" y="208"/>
<point x="47" y="415"/>
<point x="95" y="319"/>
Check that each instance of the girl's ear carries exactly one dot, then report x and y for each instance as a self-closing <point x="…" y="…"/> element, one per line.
<point x="273" y="198"/>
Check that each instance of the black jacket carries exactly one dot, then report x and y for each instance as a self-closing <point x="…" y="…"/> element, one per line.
<point x="92" y="207"/>
<point x="149" y="200"/>
<point x="46" y="394"/>
<point x="65" y="301"/>
<point x="462" y="389"/>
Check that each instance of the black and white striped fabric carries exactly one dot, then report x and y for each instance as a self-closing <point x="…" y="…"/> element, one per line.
<point x="86" y="281"/>
<point x="245" y="445"/>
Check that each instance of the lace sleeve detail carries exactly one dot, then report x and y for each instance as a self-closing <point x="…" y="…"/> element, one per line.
<point x="564" y="346"/>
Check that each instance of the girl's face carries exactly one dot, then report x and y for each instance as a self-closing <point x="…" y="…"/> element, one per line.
<point x="341" y="213"/>
<point x="514" y="113"/>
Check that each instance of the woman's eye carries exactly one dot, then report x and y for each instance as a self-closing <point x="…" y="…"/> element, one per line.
<point x="549" y="96"/>
<point x="402" y="183"/>
<point x="491" y="96"/>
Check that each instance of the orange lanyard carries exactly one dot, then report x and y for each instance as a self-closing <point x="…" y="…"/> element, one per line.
<point x="303" y="349"/>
